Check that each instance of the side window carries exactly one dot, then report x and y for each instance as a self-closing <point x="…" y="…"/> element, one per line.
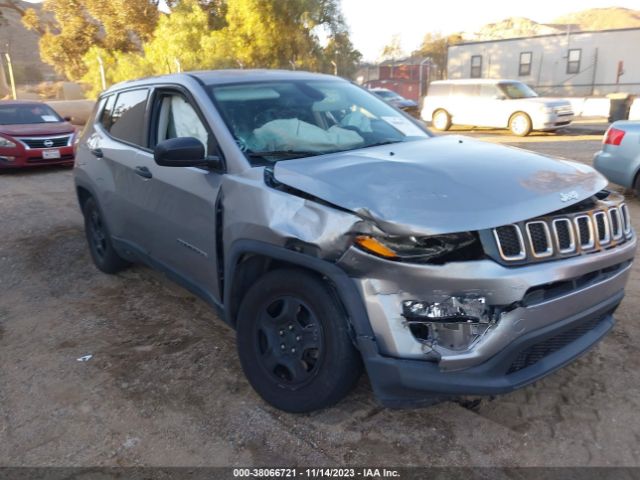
<point x="177" y="118"/>
<point x="127" y="118"/>
<point x="466" y="89"/>
<point x="525" y="64"/>
<point x="489" y="91"/>
<point x="476" y="66"/>
<point x="105" y="115"/>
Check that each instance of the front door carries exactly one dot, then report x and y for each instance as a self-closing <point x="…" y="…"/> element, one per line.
<point x="182" y="211"/>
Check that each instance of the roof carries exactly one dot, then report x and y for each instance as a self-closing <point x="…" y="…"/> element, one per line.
<point x="547" y="35"/>
<point x="21" y="102"/>
<point x="475" y="81"/>
<point x="221" y="77"/>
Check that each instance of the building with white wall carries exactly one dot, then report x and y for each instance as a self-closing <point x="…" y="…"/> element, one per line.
<point x="567" y="64"/>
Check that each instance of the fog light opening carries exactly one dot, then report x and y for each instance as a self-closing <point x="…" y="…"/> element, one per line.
<point x="452" y="323"/>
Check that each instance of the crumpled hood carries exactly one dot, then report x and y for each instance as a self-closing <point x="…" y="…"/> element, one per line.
<point x="47" y="128"/>
<point x="442" y="184"/>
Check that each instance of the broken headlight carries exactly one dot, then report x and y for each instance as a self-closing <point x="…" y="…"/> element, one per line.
<point x="433" y="249"/>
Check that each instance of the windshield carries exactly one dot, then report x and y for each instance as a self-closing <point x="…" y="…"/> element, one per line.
<point x="515" y="90"/>
<point x="271" y="121"/>
<point x="27" y="114"/>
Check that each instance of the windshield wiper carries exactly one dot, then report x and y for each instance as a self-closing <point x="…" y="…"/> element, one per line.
<point x="284" y="153"/>
<point x="384" y="142"/>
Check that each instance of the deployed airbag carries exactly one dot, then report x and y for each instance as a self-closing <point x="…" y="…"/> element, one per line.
<point x="296" y="135"/>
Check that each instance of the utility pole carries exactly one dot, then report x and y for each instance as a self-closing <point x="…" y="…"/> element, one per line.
<point x="103" y="79"/>
<point x="178" y="65"/>
<point x="421" y="74"/>
<point x="293" y="64"/>
<point x="335" y="67"/>
<point x="11" y="79"/>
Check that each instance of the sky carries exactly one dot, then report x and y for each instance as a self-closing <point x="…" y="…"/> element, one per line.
<point x="373" y="23"/>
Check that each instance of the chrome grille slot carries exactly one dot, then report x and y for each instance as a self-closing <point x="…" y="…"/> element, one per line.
<point x="584" y="227"/>
<point x="539" y="239"/>
<point x="602" y="227"/>
<point x="616" y="223"/>
<point x="565" y="238"/>
<point x="626" y="220"/>
<point x="510" y="242"/>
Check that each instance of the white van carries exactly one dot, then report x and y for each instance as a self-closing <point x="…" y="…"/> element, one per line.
<point x="493" y="103"/>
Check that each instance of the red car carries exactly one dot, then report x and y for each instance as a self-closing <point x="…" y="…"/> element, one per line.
<point x="32" y="133"/>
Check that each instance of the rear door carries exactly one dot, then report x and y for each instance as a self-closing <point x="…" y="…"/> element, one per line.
<point x="121" y="136"/>
<point x="182" y="201"/>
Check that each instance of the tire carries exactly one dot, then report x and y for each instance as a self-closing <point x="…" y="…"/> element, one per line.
<point x="636" y="185"/>
<point x="441" y="120"/>
<point x="102" y="252"/>
<point x="294" y="344"/>
<point x="520" y="124"/>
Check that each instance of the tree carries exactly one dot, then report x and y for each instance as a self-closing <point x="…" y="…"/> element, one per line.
<point x="435" y="46"/>
<point x="253" y="34"/>
<point x="69" y="28"/>
<point x="393" y="50"/>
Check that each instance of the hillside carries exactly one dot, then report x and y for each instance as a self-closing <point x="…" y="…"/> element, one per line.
<point x="591" y="19"/>
<point x="22" y="44"/>
<point x="602" y="18"/>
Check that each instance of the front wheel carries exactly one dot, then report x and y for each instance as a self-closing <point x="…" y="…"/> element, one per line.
<point x="294" y="343"/>
<point x="520" y="124"/>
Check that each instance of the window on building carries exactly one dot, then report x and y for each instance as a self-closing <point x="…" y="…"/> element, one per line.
<point x="573" y="60"/>
<point x="476" y="66"/>
<point x="525" y="64"/>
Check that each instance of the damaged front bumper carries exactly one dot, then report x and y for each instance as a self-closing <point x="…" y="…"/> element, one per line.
<point x="547" y="314"/>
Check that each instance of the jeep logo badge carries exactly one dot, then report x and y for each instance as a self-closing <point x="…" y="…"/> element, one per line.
<point x="48" y="143"/>
<point x="572" y="195"/>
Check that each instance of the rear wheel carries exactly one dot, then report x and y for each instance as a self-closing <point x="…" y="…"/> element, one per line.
<point x="102" y="252"/>
<point x="520" y="124"/>
<point x="441" y="120"/>
<point x="293" y="342"/>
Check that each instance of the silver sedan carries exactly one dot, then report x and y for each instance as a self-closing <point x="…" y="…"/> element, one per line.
<point x="619" y="159"/>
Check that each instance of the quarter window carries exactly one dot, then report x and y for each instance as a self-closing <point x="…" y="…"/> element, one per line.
<point x="476" y="66"/>
<point x="127" y="118"/>
<point x="105" y="116"/>
<point x="573" y="61"/>
<point x="525" y="64"/>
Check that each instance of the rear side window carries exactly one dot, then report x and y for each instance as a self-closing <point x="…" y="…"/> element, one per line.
<point x="127" y="117"/>
<point x="466" y="89"/>
<point x="439" y="89"/>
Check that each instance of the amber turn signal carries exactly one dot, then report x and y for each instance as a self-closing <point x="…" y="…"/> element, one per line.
<point x="374" y="246"/>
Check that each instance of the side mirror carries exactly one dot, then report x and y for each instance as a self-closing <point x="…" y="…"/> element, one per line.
<point x="500" y="97"/>
<point x="68" y="119"/>
<point x="180" y="152"/>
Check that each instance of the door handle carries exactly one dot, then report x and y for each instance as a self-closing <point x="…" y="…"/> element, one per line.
<point x="97" y="152"/>
<point x="143" y="172"/>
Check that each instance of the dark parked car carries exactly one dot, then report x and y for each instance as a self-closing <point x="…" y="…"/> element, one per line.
<point x="32" y="133"/>
<point x="397" y="101"/>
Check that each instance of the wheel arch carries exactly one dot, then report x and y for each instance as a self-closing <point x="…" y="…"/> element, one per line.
<point x="248" y="260"/>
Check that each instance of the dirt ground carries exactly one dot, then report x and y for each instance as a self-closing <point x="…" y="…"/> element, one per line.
<point x="164" y="387"/>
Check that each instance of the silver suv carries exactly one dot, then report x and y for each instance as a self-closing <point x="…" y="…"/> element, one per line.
<point x="333" y="231"/>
